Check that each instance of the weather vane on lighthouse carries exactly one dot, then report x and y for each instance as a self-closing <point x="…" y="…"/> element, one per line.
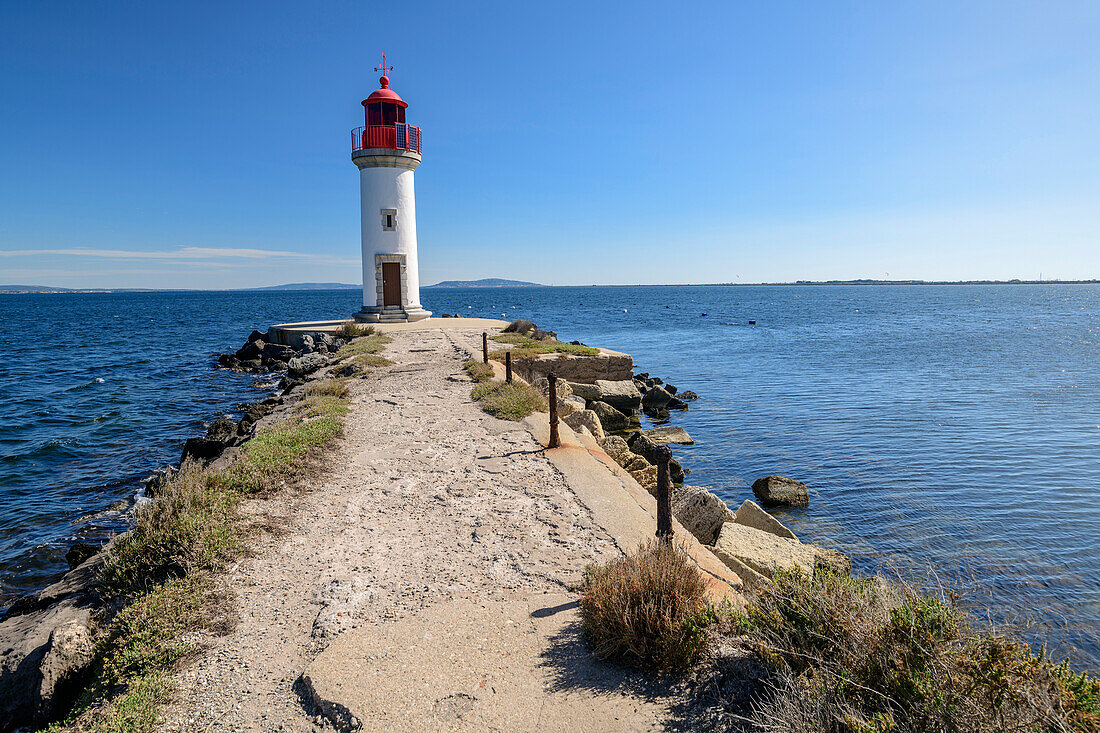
<point x="383" y="68"/>
<point x="386" y="149"/>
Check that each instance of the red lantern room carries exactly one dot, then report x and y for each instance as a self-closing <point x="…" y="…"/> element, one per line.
<point x="384" y="113"/>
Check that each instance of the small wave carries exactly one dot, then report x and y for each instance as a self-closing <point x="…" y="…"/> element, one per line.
<point x="86" y="385"/>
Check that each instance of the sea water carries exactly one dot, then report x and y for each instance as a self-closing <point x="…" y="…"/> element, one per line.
<point x="949" y="434"/>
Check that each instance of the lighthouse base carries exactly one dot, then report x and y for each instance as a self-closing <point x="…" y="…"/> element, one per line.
<point x="391" y="314"/>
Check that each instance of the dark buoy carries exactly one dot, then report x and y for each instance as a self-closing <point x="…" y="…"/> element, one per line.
<point x="752" y="323"/>
<point x="703" y="314"/>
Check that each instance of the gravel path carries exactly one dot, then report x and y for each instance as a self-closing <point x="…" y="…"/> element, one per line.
<point x="428" y="501"/>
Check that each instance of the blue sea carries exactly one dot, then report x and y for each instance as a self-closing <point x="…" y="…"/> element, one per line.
<point x="950" y="434"/>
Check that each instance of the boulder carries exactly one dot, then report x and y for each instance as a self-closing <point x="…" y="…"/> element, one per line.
<point x="306" y="345"/>
<point x="277" y="366"/>
<point x="46" y="642"/>
<point x="669" y="434"/>
<point x="677" y="404"/>
<point x="763" y="551"/>
<point x="256" y="336"/>
<point x="203" y="450"/>
<point x="655" y="399"/>
<point x="562" y="388"/>
<point x="326" y="339"/>
<point x="752" y="515"/>
<point x="833" y="560"/>
<point x="79" y="553"/>
<point x="766" y="553"/>
<point x="587" y="419"/>
<point x="622" y="395"/>
<point x="701" y="512"/>
<point x="610" y="418"/>
<point x="278" y="352"/>
<point x="689" y="395"/>
<point x="635" y="463"/>
<point x="579" y="403"/>
<point x="670" y="389"/>
<point x="646" y="478"/>
<point x="641" y="444"/>
<point x="616" y="448"/>
<point x="251" y="350"/>
<point x="780" y="491"/>
<point x="222" y="430"/>
<point x="300" y="366"/>
<point x="675" y="471"/>
<point x="520" y="326"/>
<point x="586" y="391"/>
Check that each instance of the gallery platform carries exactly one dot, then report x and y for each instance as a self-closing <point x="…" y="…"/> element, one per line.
<point x="290" y="334"/>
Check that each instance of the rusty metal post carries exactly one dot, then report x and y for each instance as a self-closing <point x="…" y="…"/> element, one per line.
<point x="663" y="454"/>
<point x="552" y="396"/>
<point x="484" y="348"/>
<point x="508" y="366"/>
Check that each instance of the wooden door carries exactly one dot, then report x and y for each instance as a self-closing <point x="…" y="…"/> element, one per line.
<point x="391" y="283"/>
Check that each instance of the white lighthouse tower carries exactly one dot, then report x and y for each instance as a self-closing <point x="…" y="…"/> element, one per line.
<point x="387" y="151"/>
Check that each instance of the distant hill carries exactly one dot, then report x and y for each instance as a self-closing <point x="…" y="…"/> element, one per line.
<point x="311" y="286"/>
<point x="488" y="282"/>
<point x="32" y="289"/>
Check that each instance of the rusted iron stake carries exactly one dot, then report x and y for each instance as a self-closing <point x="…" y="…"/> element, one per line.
<point x="552" y="395"/>
<point x="508" y="366"/>
<point x="484" y="348"/>
<point x="663" y="454"/>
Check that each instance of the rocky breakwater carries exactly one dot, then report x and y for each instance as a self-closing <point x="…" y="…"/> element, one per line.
<point x="48" y="638"/>
<point x="750" y="541"/>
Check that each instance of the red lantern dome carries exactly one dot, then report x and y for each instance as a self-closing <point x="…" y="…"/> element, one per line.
<point x="384" y="120"/>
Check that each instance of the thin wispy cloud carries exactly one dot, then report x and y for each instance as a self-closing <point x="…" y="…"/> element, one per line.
<point x="208" y="254"/>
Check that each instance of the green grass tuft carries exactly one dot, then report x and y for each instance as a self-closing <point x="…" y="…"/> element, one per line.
<point x="527" y="348"/>
<point x="372" y="344"/>
<point x="513" y="401"/>
<point x="478" y="371"/>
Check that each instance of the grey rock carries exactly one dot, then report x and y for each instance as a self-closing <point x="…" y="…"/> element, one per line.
<point x="622" y="395"/>
<point x="689" y="395"/>
<point x="766" y="553"/>
<point x="251" y="350"/>
<point x="655" y="399"/>
<point x="79" y="553"/>
<point x="520" y="326"/>
<point x="781" y="491"/>
<point x="278" y="352"/>
<point x="617" y="449"/>
<point x="45" y="647"/>
<point x="677" y="404"/>
<point x="256" y="336"/>
<point x="588" y="419"/>
<point x="669" y="434"/>
<point x="752" y="515"/>
<point x="300" y="366"/>
<point x="610" y="418"/>
<point x="701" y="512"/>
<point x="586" y="391"/>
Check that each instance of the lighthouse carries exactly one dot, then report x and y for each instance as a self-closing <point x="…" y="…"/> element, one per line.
<point x="387" y="150"/>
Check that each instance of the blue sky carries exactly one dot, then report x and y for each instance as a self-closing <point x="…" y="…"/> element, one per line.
<point x="206" y="144"/>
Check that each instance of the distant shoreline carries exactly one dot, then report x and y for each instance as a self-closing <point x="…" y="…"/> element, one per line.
<point x="306" y="287"/>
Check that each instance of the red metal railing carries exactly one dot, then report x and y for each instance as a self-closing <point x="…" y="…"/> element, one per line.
<point x="399" y="136"/>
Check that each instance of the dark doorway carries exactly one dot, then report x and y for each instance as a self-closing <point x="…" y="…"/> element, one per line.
<point x="391" y="283"/>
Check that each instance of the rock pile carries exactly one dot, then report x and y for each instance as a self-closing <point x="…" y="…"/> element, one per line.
<point x="260" y="355"/>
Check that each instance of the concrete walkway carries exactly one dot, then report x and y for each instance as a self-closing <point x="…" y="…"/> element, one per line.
<point x="428" y="581"/>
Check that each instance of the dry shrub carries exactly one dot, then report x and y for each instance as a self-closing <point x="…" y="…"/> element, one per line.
<point x="861" y="656"/>
<point x="350" y="329"/>
<point x="190" y="525"/>
<point x="647" y="609"/>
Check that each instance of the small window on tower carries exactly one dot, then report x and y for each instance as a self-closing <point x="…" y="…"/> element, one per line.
<point x="389" y="220"/>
